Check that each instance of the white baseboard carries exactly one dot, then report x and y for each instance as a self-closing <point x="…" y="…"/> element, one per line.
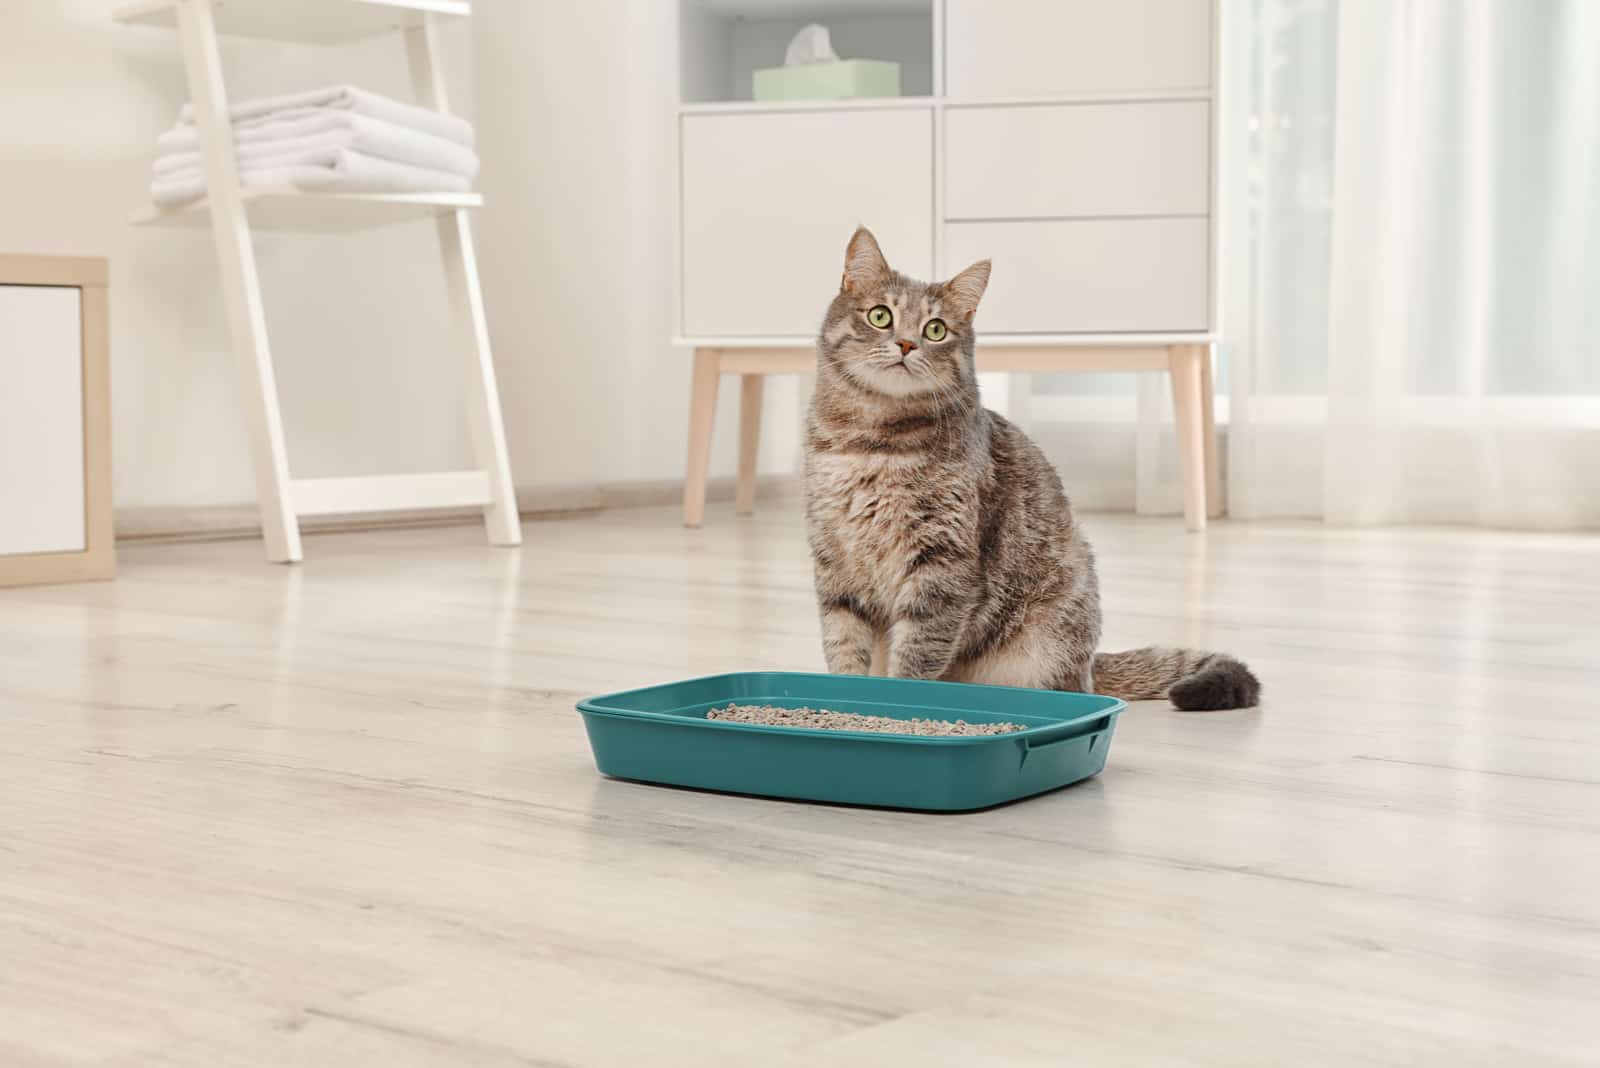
<point x="182" y="523"/>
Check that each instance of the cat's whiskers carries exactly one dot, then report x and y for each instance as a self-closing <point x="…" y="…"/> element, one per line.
<point x="940" y="391"/>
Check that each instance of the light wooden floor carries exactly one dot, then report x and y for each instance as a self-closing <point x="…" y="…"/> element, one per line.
<point x="344" y="814"/>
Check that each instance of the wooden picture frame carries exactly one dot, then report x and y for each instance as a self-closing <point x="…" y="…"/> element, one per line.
<point x="97" y="560"/>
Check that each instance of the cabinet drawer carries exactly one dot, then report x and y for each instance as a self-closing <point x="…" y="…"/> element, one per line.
<point x="770" y="201"/>
<point x="1088" y="275"/>
<point x="1010" y="48"/>
<point x="1078" y="160"/>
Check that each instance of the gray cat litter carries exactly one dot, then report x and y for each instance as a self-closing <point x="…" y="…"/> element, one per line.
<point x="826" y="720"/>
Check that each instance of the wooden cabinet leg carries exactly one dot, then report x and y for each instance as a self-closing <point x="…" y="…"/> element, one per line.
<point x="1208" y="431"/>
<point x="749" y="441"/>
<point x="1184" y="366"/>
<point x="702" y="421"/>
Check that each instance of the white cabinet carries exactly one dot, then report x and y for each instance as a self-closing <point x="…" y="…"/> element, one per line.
<point x="55" y="520"/>
<point x="769" y="200"/>
<point x="1070" y="141"/>
<point x="1042" y="48"/>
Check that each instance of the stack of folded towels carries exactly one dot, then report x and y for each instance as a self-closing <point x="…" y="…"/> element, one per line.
<point x="339" y="139"/>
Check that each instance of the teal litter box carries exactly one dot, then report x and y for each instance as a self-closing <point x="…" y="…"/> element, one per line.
<point x="660" y="735"/>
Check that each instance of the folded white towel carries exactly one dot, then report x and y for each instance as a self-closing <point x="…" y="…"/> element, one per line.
<point x="336" y="170"/>
<point x="320" y="132"/>
<point x="344" y="98"/>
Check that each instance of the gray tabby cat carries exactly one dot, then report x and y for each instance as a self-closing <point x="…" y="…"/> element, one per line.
<point x="943" y="543"/>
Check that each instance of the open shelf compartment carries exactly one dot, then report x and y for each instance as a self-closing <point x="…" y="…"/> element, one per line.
<point x="722" y="43"/>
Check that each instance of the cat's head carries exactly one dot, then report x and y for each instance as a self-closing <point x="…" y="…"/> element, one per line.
<point x="895" y="335"/>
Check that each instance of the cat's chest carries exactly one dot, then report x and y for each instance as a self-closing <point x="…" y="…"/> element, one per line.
<point x="871" y="507"/>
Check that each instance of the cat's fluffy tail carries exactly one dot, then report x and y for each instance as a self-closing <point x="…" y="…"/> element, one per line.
<point x="1193" y="680"/>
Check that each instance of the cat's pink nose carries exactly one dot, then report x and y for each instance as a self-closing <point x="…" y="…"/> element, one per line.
<point x="906" y="346"/>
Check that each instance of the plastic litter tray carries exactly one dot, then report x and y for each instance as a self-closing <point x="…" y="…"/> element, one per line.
<point x="660" y="735"/>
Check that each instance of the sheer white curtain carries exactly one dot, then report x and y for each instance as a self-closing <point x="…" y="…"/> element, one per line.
<point x="1411" y="273"/>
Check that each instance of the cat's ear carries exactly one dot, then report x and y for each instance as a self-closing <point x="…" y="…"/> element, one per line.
<point x="865" y="268"/>
<point x="963" y="292"/>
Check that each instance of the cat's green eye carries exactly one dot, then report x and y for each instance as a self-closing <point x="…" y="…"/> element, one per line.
<point x="935" y="330"/>
<point x="880" y="317"/>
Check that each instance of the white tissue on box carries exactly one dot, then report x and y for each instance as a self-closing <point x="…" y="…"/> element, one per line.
<point x="811" y="45"/>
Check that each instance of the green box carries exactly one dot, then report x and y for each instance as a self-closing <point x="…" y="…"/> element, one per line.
<point x="840" y="80"/>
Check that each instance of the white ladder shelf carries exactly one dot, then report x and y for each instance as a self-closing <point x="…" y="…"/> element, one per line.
<point x="234" y="211"/>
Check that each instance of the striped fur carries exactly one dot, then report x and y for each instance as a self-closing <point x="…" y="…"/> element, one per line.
<point x="938" y="531"/>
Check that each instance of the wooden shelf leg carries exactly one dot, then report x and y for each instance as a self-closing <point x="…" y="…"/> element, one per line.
<point x="241" y="286"/>
<point x="702" y="421"/>
<point x="749" y="441"/>
<point x="1184" y="366"/>
<point x="1208" y="431"/>
<point x="484" y="417"/>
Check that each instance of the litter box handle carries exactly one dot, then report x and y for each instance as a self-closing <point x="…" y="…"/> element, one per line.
<point x="1067" y="732"/>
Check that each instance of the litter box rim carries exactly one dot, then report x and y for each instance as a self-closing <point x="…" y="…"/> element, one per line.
<point x="1102" y="717"/>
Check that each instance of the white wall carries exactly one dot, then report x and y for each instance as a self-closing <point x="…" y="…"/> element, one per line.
<point x="577" y="254"/>
<point x="576" y="124"/>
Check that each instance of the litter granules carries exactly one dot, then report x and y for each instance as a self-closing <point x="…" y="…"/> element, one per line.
<point x="823" y="719"/>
